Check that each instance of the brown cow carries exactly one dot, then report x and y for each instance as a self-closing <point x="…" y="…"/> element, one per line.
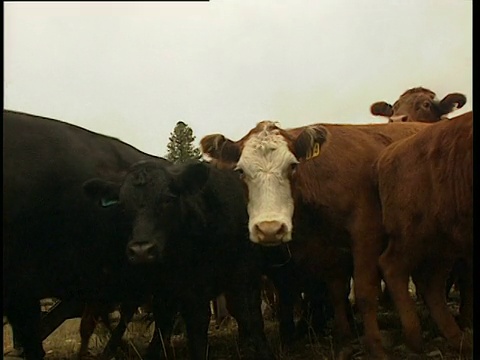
<point x="419" y="104"/>
<point x="320" y="179"/>
<point x="425" y="185"/>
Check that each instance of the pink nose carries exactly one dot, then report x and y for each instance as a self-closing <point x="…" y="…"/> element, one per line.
<point x="270" y="232"/>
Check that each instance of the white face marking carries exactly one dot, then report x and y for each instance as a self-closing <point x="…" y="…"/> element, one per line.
<point x="266" y="161"/>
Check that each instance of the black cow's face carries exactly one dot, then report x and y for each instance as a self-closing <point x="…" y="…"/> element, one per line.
<point x="151" y="205"/>
<point x="152" y="199"/>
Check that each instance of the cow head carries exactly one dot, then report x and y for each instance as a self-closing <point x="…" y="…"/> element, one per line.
<point x="150" y="197"/>
<point x="419" y="104"/>
<point x="266" y="160"/>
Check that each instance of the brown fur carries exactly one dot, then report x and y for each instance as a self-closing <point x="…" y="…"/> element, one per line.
<point x="337" y="216"/>
<point x="425" y="186"/>
<point x="419" y="104"/>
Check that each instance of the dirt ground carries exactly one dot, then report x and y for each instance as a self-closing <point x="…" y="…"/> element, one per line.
<point x="64" y="342"/>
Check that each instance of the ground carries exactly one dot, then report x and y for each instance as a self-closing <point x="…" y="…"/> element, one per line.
<point x="64" y="342"/>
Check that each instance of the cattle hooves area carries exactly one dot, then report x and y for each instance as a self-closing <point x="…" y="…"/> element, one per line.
<point x="64" y="342"/>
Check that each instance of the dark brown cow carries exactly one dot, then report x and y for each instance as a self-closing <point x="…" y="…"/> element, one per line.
<point x="419" y="104"/>
<point x="425" y="185"/>
<point x="317" y="181"/>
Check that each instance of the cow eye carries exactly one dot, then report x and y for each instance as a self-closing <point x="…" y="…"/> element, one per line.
<point x="168" y="199"/>
<point x="426" y="104"/>
<point x="293" y="168"/>
<point x="240" y="172"/>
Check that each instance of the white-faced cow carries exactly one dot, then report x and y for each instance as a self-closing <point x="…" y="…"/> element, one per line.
<point x="426" y="189"/>
<point x="56" y="241"/>
<point x="314" y="184"/>
<point x="190" y="220"/>
<point x="419" y="104"/>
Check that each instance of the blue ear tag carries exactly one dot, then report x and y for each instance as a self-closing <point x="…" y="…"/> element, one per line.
<point x="107" y="202"/>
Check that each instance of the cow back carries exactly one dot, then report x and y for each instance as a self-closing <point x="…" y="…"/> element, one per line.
<point x="343" y="171"/>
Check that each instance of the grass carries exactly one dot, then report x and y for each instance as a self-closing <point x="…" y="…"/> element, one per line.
<point x="64" y="342"/>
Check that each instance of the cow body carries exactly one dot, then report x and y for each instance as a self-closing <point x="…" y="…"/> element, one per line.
<point x="316" y="183"/>
<point x="190" y="220"/>
<point x="57" y="243"/>
<point x="425" y="185"/>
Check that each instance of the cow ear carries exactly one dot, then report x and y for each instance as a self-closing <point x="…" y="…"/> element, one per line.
<point x="452" y="102"/>
<point x="105" y="193"/>
<point x="381" y="108"/>
<point x="220" y="148"/>
<point x="310" y="141"/>
<point x="189" y="178"/>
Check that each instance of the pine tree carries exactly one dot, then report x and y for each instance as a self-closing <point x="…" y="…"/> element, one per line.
<point x="180" y="147"/>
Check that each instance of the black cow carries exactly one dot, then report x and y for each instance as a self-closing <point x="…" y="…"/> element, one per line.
<point x="56" y="241"/>
<point x="191" y="220"/>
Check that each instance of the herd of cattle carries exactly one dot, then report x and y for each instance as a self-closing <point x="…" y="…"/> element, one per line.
<point x="90" y="218"/>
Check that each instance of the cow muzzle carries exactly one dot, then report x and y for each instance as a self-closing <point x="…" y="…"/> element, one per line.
<point x="398" y="118"/>
<point x="271" y="233"/>
<point x="142" y="252"/>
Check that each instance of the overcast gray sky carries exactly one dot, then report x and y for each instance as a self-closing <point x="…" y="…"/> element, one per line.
<point x="132" y="70"/>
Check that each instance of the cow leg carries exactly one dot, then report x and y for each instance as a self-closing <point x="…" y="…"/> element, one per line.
<point x="385" y="299"/>
<point x="396" y="273"/>
<point x="317" y="308"/>
<point x="245" y="307"/>
<point x="220" y="309"/>
<point x="196" y="313"/>
<point x="288" y="291"/>
<point x="270" y="297"/>
<point x="367" y="247"/>
<point x="126" y="314"/>
<point x="244" y="303"/>
<point x="24" y="317"/>
<point x="337" y="291"/>
<point x="87" y="327"/>
<point x="306" y="312"/>
<point x="286" y="316"/>
<point x="432" y="278"/>
<point x="164" y="314"/>
<point x="465" y="284"/>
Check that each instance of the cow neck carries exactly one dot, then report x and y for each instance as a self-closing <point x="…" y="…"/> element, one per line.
<point x="277" y="256"/>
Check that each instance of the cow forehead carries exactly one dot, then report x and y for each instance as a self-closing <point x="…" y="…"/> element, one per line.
<point x="267" y="150"/>
<point x="151" y="182"/>
<point x="412" y="98"/>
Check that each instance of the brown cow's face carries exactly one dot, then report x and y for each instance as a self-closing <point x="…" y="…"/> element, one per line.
<point x="419" y="104"/>
<point x="266" y="164"/>
<point x="267" y="158"/>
